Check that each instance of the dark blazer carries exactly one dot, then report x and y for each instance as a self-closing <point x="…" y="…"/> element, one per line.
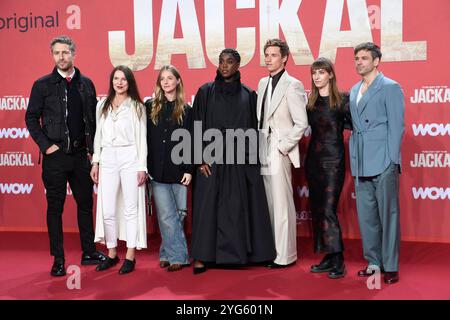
<point x="160" y="145"/>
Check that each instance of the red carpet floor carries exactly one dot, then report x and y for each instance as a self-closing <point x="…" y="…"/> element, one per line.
<point x="25" y="265"/>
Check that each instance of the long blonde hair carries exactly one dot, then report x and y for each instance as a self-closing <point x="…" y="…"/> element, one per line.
<point x="334" y="96"/>
<point x="160" y="98"/>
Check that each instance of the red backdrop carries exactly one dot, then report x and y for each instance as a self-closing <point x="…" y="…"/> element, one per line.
<point x="413" y="35"/>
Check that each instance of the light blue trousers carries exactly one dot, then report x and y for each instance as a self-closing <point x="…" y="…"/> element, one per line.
<point x="379" y="218"/>
<point x="171" y="208"/>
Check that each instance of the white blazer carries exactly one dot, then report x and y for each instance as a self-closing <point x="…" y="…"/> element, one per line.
<point x="140" y="134"/>
<point x="287" y="115"/>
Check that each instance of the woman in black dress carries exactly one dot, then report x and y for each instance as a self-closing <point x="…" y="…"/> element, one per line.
<point x="328" y="114"/>
<point x="231" y="222"/>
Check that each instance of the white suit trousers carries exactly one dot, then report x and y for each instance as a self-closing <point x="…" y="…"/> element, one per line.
<point x="118" y="173"/>
<point x="278" y="185"/>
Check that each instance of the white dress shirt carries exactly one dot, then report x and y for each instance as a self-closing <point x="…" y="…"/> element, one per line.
<point x="117" y="130"/>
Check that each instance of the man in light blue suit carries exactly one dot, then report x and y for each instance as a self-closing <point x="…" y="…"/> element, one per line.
<point x="377" y="109"/>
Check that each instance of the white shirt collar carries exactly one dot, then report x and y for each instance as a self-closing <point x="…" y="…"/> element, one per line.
<point x="64" y="76"/>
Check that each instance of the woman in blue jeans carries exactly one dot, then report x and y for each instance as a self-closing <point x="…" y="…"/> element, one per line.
<point x="168" y="112"/>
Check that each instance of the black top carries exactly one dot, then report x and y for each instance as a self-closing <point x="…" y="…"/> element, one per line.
<point x="160" y="145"/>
<point x="228" y="105"/>
<point x="75" y="121"/>
<point x="275" y="80"/>
<point x="327" y="126"/>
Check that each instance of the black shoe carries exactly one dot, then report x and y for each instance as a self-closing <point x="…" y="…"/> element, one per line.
<point x="324" y="266"/>
<point x="338" y="271"/>
<point x="108" y="263"/>
<point x="127" y="266"/>
<point x="58" y="269"/>
<point x="368" y="271"/>
<point x="274" y="265"/>
<point x="96" y="257"/>
<point x="198" y="270"/>
<point x="175" y="267"/>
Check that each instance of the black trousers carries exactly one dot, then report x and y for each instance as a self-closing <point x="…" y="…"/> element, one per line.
<point x="59" y="168"/>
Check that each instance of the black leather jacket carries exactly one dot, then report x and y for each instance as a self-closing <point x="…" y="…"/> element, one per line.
<point x="46" y="116"/>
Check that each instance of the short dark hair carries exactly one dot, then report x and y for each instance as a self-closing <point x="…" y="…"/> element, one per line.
<point x="65" y="40"/>
<point x="284" y="48"/>
<point x="233" y="52"/>
<point x="369" y="46"/>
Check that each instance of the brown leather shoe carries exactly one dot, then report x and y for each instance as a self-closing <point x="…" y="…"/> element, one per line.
<point x="174" y="267"/>
<point x="391" y="277"/>
<point x="164" y="264"/>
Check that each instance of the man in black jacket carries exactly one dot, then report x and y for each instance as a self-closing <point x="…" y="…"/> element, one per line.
<point x="61" y="120"/>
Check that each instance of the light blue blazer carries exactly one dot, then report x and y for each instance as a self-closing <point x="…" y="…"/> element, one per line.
<point x="378" y="126"/>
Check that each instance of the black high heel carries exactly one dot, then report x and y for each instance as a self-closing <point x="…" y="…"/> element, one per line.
<point x="108" y="263"/>
<point x="127" y="267"/>
<point x="198" y="270"/>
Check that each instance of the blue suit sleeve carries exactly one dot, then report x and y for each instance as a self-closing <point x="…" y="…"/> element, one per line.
<point x="395" y="110"/>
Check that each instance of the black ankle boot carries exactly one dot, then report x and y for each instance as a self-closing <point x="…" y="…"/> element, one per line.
<point x="324" y="266"/>
<point x="338" y="270"/>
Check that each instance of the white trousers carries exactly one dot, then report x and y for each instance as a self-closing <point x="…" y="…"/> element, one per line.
<point x="278" y="185"/>
<point x="118" y="173"/>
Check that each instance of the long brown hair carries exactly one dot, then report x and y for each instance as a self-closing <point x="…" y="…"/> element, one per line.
<point x="335" y="97"/>
<point x="132" y="92"/>
<point x="160" y="98"/>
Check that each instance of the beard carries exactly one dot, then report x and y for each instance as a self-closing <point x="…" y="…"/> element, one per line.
<point x="65" y="66"/>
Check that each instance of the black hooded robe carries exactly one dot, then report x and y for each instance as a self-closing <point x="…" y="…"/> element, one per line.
<point x="231" y="222"/>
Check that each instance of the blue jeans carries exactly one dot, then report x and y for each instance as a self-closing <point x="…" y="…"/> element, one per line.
<point x="171" y="207"/>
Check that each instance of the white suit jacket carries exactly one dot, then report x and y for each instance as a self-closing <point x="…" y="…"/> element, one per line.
<point x="287" y="117"/>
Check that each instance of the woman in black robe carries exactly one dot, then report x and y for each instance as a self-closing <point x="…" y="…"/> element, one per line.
<point x="231" y="222"/>
<point x="328" y="114"/>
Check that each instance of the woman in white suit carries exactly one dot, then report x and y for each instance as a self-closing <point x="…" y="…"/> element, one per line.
<point x="119" y="168"/>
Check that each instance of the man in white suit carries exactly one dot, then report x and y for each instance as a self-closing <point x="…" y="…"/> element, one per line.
<point x="283" y="120"/>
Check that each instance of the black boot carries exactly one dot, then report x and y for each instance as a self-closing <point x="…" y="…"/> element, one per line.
<point x="338" y="270"/>
<point x="324" y="266"/>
